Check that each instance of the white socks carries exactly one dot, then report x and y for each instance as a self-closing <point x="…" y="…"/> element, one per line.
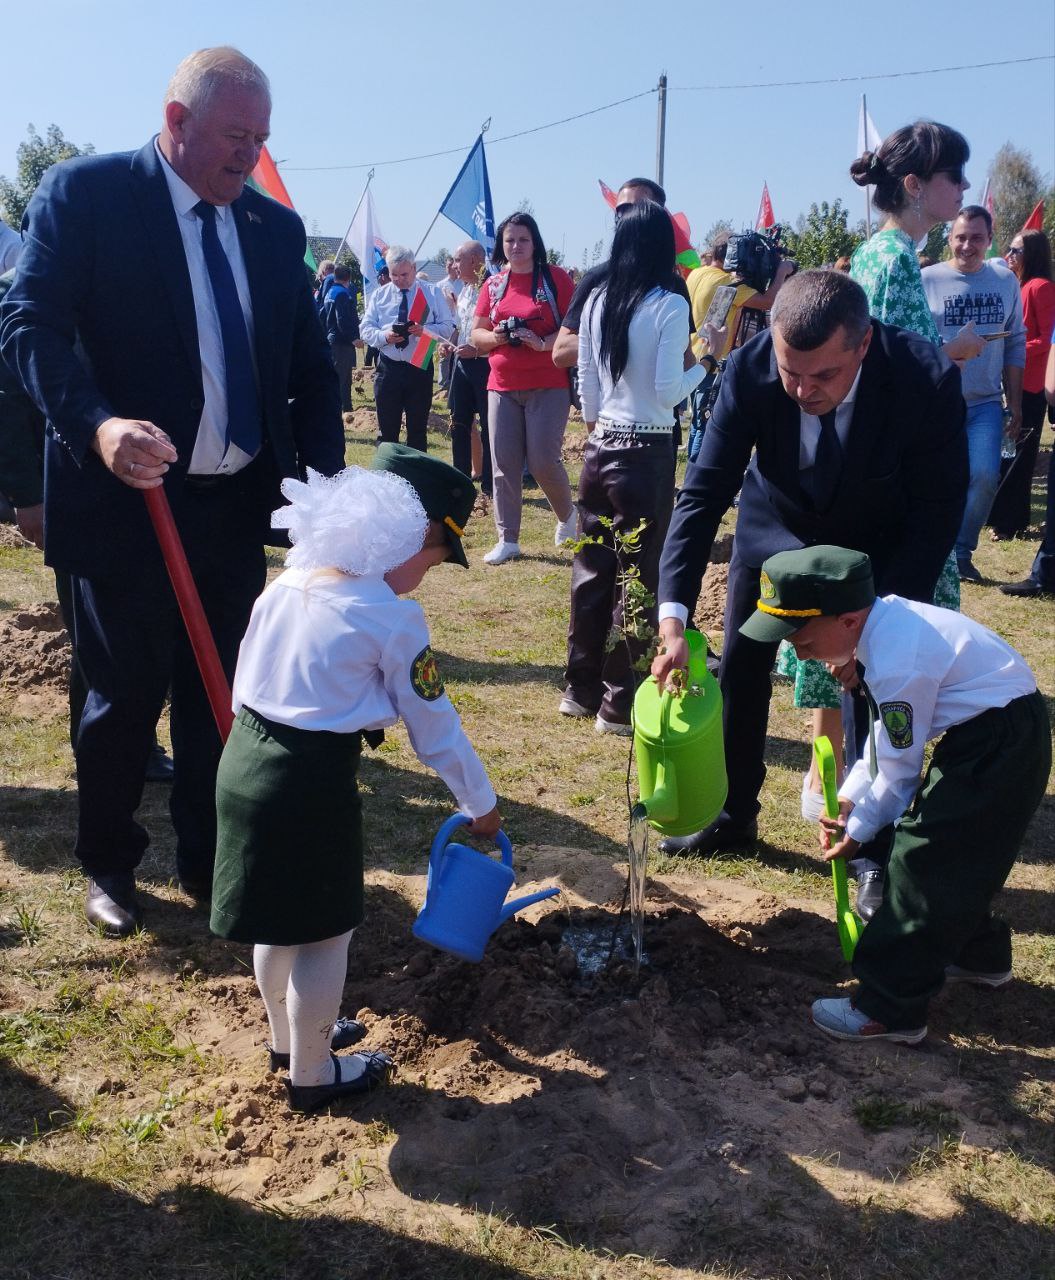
<point x="301" y="987"/>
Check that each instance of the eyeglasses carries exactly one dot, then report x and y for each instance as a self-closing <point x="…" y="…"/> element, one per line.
<point x="621" y="210"/>
<point x="1014" y="253"/>
<point x="954" y="175"/>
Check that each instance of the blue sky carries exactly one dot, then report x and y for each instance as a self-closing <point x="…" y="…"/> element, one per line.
<point x="415" y="78"/>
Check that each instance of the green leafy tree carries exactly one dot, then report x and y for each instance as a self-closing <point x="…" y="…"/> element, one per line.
<point x="936" y="245"/>
<point x="822" y="235"/>
<point x="34" y="157"/>
<point x="1016" y="185"/>
<point x="719" y="230"/>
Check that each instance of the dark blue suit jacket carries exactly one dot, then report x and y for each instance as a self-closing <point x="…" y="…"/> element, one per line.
<point x="904" y="483"/>
<point x="89" y="342"/>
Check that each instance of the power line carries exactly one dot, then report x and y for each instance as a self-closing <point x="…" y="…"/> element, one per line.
<point x="881" y="75"/>
<point x="431" y="155"/>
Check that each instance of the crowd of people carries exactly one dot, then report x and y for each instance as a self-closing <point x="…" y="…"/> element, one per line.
<point x="854" y="416"/>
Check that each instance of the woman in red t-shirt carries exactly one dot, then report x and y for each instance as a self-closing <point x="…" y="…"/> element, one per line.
<point x="518" y="314"/>
<point x="1029" y="257"/>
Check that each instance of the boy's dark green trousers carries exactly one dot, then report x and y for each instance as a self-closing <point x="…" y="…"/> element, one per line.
<point x="949" y="858"/>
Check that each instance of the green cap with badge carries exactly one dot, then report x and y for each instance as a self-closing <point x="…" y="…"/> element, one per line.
<point x="447" y="494"/>
<point x="797" y="586"/>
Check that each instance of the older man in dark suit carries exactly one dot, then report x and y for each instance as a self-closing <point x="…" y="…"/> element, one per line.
<point x="840" y="430"/>
<point x="162" y="321"/>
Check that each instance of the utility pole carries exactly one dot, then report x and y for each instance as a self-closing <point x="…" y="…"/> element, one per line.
<point x="661" y="128"/>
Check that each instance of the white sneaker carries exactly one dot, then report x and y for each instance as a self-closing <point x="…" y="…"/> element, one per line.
<point x="838" y="1018"/>
<point x="566" y="529"/>
<point x="812" y="801"/>
<point x="615" y="727"/>
<point x="953" y="973"/>
<point x="501" y="552"/>
<point x="569" y="707"/>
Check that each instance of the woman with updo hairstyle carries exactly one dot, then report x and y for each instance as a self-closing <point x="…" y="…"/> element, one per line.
<point x="919" y="180"/>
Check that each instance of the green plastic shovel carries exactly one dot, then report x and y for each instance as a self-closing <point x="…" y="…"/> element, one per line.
<point x="848" y="924"/>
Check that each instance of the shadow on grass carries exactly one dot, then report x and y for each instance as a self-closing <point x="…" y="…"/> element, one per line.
<point x="57" y="1223"/>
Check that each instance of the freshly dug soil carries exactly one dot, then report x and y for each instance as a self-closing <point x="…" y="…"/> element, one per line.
<point x="34" y="651"/>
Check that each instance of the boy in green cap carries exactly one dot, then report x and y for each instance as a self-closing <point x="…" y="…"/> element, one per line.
<point x="927" y="673"/>
<point x="333" y="656"/>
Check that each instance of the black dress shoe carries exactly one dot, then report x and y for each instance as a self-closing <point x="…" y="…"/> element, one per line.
<point x="719" y="835"/>
<point x="346" y="1032"/>
<point x="1027" y="587"/>
<point x="112" y="904"/>
<point x="869" y="894"/>
<point x="310" y="1097"/>
<point x="159" y="765"/>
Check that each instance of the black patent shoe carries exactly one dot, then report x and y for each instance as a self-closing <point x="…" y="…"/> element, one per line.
<point x="112" y="905"/>
<point x="869" y="894"/>
<point x="719" y="835"/>
<point x="306" y="1098"/>
<point x="346" y="1032"/>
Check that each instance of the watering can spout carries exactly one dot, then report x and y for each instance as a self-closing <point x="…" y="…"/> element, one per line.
<point x="662" y="804"/>
<point x="518" y="904"/>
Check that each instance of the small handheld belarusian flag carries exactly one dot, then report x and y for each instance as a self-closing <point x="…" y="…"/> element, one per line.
<point x="421" y="356"/>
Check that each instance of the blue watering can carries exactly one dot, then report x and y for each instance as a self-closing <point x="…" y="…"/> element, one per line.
<point x="465" y="898"/>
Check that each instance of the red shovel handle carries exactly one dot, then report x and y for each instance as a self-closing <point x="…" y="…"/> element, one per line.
<point x="204" y="646"/>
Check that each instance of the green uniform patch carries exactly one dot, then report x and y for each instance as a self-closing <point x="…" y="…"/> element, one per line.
<point x="897" y="719"/>
<point x="425" y="676"/>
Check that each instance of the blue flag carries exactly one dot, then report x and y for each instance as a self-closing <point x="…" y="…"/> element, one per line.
<point x="468" y="203"/>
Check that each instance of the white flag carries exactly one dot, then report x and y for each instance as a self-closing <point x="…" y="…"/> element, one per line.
<point x="367" y="243"/>
<point x="868" y="136"/>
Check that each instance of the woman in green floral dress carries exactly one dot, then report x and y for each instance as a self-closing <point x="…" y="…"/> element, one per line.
<point x="918" y="175"/>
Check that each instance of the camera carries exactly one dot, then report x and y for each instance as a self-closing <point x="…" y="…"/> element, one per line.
<point x="754" y="256"/>
<point x="509" y="327"/>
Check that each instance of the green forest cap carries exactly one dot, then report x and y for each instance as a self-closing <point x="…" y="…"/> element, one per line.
<point x="796" y="586"/>
<point x="448" y="495"/>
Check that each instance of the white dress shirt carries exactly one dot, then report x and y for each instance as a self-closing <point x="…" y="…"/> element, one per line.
<point x="338" y="654"/>
<point x="382" y="312"/>
<point x="933" y="669"/>
<point x="809" y="436"/>
<point x="209" y="457"/>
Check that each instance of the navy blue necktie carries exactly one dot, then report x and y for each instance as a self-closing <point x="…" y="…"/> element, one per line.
<point x="243" y="400"/>
<point x="827" y="464"/>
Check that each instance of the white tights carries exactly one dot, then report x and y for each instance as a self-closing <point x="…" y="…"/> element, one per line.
<point x="302" y="988"/>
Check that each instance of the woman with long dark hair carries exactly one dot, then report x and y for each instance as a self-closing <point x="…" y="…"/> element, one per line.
<point x="1029" y="257"/>
<point x="632" y="342"/>
<point x="518" y="314"/>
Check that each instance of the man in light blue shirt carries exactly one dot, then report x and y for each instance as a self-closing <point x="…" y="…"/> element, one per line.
<point x="970" y="288"/>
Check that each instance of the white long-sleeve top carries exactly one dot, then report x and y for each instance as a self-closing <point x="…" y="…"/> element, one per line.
<point x="342" y="654"/>
<point x="655" y="378"/>
<point x="927" y="669"/>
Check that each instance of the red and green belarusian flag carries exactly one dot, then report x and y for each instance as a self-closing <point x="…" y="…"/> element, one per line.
<point x="421" y="356"/>
<point x="265" y="178"/>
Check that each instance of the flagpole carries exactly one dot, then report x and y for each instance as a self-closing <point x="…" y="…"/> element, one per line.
<point x="483" y="129"/>
<point x="351" y="221"/>
<point x="868" y="198"/>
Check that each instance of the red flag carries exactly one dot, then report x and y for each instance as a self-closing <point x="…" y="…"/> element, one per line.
<point x="765" y="217"/>
<point x="1035" y="221"/>
<point x="608" y="193"/>
<point x="266" y="174"/>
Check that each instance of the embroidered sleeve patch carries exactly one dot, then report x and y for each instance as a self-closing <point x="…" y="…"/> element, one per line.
<point x="897" y="720"/>
<point x="425" y="676"/>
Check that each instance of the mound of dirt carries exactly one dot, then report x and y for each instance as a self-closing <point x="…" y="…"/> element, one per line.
<point x="34" y="651"/>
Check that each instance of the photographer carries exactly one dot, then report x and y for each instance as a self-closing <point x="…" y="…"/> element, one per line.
<point x="755" y="265"/>
<point x="401" y="388"/>
<point x="518" y="314"/>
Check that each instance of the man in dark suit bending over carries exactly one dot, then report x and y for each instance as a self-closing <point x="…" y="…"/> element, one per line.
<point x="840" y="430"/>
<point x="214" y="382"/>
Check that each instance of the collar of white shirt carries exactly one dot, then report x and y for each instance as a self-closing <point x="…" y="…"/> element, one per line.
<point x="184" y="198"/>
<point x="810" y="425"/>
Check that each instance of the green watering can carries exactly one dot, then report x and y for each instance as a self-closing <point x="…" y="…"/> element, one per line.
<point x="848" y="924"/>
<point x="679" y="749"/>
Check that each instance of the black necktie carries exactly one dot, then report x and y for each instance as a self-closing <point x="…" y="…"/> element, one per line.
<point x="827" y="463"/>
<point x="401" y="317"/>
<point x="873" y="716"/>
<point x="243" y="400"/>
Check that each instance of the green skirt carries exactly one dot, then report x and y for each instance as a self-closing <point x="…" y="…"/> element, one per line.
<point x="289" y="842"/>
